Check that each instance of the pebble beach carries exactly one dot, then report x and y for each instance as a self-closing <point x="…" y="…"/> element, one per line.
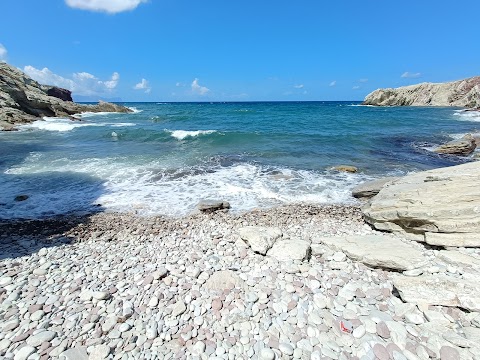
<point x="119" y="286"/>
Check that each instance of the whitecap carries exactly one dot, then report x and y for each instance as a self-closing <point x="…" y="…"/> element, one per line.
<point x="182" y="134"/>
<point x="467" y="115"/>
<point x="87" y="114"/>
<point x="134" y="109"/>
<point x="56" y="124"/>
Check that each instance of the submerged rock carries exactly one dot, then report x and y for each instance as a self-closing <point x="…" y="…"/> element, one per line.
<point x="345" y="168"/>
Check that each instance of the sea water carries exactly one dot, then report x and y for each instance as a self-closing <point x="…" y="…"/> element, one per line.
<point x="164" y="158"/>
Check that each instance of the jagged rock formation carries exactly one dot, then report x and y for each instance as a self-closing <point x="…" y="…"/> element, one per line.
<point x="23" y="100"/>
<point x="464" y="146"/>
<point x="461" y="93"/>
<point x="440" y="206"/>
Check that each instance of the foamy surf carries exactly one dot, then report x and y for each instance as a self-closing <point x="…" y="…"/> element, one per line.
<point x="182" y="134"/>
<point x="63" y="125"/>
<point x="464" y="115"/>
<point x="122" y="186"/>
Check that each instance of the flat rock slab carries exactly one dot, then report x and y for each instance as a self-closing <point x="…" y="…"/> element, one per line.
<point x="292" y="249"/>
<point x="456" y="257"/>
<point x="223" y="280"/>
<point x="371" y="188"/>
<point x="439" y="290"/>
<point x="454" y="239"/>
<point x="378" y="251"/>
<point x="445" y="200"/>
<point x="260" y="238"/>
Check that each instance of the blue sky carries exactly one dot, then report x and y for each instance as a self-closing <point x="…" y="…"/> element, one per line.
<point x="212" y="50"/>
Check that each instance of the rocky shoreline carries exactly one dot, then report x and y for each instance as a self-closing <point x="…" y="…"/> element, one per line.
<point x="461" y="93"/>
<point x="125" y="287"/>
<point x="23" y="100"/>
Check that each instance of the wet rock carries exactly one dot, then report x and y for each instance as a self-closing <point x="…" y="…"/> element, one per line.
<point x="207" y="206"/>
<point x="371" y="188"/>
<point x="464" y="146"/>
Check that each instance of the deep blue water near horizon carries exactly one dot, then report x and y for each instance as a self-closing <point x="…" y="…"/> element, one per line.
<point x="165" y="157"/>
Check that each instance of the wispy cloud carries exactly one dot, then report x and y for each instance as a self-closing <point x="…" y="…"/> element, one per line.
<point x="81" y="83"/>
<point x="363" y="80"/>
<point x="3" y="53"/>
<point x="178" y="84"/>
<point x="356" y="87"/>
<point x="333" y="83"/>
<point x="410" y="75"/>
<point x="108" y="6"/>
<point x="198" y="89"/>
<point x="143" y="85"/>
<point x="299" y="86"/>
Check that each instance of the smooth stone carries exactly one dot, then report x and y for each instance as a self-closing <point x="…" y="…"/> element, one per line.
<point x="101" y="295"/>
<point x="223" y="280"/>
<point x="449" y="353"/>
<point x="178" y="309"/>
<point x="44" y="336"/>
<point x="24" y="353"/>
<point x="267" y="354"/>
<point x="381" y="352"/>
<point x="285" y="348"/>
<point x="99" y="352"/>
<point x="76" y="353"/>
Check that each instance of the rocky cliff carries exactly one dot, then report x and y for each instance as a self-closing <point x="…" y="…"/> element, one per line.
<point x="462" y="93"/>
<point x="23" y="100"/>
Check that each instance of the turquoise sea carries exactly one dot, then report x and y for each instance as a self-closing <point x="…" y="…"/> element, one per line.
<point x="165" y="157"/>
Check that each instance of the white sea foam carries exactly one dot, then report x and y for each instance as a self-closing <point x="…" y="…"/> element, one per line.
<point x="56" y="124"/>
<point x="467" y="115"/>
<point x="123" y="186"/>
<point x="88" y="114"/>
<point x="361" y="105"/>
<point x="62" y="125"/>
<point x="134" y="109"/>
<point x="182" y="134"/>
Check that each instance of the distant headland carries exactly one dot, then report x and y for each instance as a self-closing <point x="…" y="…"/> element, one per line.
<point x="23" y="100"/>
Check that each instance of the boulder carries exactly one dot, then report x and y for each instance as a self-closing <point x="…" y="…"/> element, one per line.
<point x="23" y="100"/>
<point x="371" y="188"/>
<point x="381" y="251"/>
<point x="464" y="146"/>
<point x="439" y="205"/>
<point x="63" y="94"/>
<point x="223" y="280"/>
<point x="462" y="93"/>
<point x="259" y="238"/>
<point x="439" y="290"/>
<point x="212" y="206"/>
<point x="291" y="249"/>
<point x="345" y="168"/>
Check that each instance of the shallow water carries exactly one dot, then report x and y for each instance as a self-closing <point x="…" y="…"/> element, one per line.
<point x="165" y="157"/>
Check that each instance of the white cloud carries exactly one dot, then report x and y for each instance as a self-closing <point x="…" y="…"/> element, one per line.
<point x="356" y="87"/>
<point x="333" y="83"/>
<point x="3" y="53"/>
<point x="108" y="6"/>
<point x="300" y="86"/>
<point x="363" y="80"/>
<point x="198" y="89"/>
<point x="143" y="85"/>
<point x="410" y="75"/>
<point x="82" y="83"/>
<point x="178" y="84"/>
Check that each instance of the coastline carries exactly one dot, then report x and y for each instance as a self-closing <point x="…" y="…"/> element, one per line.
<point x="117" y="284"/>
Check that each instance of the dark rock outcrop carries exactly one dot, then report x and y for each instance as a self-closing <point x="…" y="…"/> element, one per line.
<point x="23" y="100"/>
<point x="462" y="93"/>
<point x="371" y="188"/>
<point x="63" y="94"/>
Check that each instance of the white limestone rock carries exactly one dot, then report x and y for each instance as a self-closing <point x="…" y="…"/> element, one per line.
<point x="260" y="238"/>
<point x="439" y="290"/>
<point x="291" y="249"/>
<point x="378" y="251"/>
